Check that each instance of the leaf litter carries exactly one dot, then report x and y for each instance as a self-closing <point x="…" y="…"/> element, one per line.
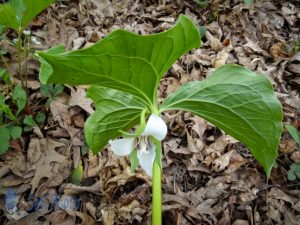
<point x="208" y="178"/>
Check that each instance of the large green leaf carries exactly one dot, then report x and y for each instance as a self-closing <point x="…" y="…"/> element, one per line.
<point x="116" y="110"/>
<point x="31" y="9"/>
<point x="241" y="103"/>
<point x="8" y="16"/>
<point x="124" y="61"/>
<point x="18" y="13"/>
<point x="46" y="69"/>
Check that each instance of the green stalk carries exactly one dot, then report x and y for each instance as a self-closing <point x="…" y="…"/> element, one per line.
<point x="19" y="47"/>
<point x="156" y="187"/>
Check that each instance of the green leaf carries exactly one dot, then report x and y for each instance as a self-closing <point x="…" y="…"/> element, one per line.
<point x="46" y="69"/>
<point x="19" y="97"/>
<point x="4" y="75"/>
<point x="8" y="16"/>
<point x="58" y="88"/>
<point x="124" y="61"/>
<point x="293" y="132"/>
<point x="4" y="139"/>
<point x="241" y="103"/>
<point x="291" y="175"/>
<point x="115" y="110"/>
<point x="202" y="31"/>
<point x="28" y="120"/>
<point x="40" y="117"/>
<point x="249" y="1"/>
<point x="297" y="173"/>
<point x="46" y="89"/>
<point x="26" y="10"/>
<point x="295" y="167"/>
<point x="5" y="108"/>
<point x="15" y="132"/>
<point x="27" y="128"/>
<point x="77" y="175"/>
<point x="18" y="13"/>
<point x="2" y="29"/>
<point x="134" y="161"/>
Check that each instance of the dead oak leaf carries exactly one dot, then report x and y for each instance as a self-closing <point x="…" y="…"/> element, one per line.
<point x="60" y="113"/>
<point x="78" y="97"/>
<point x="43" y="167"/>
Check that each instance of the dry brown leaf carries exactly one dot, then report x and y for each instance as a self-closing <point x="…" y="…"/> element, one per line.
<point x="276" y="193"/>
<point x="60" y="113"/>
<point x="240" y="222"/>
<point x="43" y="167"/>
<point x="214" y="42"/>
<point x="296" y="156"/>
<point x="140" y="194"/>
<point x="78" y="97"/>
<point x="291" y="219"/>
<point x="274" y="214"/>
<point x="34" y="150"/>
<point x="85" y="218"/>
<point x="108" y="215"/>
<point x="222" y="162"/>
<point x="287" y="146"/>
<point x="276" y="51"/>
<point x="220" y="60"/>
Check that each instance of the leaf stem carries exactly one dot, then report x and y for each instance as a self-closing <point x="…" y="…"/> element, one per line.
<point x="19" y="47"/>
<point x="156" y="188"/>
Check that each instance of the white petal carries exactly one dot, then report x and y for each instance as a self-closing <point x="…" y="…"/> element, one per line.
<point x="155" y="127"/>
<point x="122" y="147"/>
<point x="146" y="155"/>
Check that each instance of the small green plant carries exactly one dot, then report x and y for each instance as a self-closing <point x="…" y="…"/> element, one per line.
<point x="51" y="91"/>
<point x="294" y="172"/>
<point x="16" y="14"/>
<point x="249" y="1"/>
<point x="293" y="132"/>
<point x="30" y="121"/>
<point x="124" y="71"/>
<point x="9" y="125"/>
<point x="202" y="3"/>
<point x="76" y="175"/>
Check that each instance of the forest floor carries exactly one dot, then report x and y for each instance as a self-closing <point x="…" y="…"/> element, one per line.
<point x="208" y="177"/>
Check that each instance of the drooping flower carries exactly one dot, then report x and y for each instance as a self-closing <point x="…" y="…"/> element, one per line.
<point x="156" y="128"/>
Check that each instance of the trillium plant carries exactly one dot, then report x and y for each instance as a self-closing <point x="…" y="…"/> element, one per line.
<point x="124" y="71"/>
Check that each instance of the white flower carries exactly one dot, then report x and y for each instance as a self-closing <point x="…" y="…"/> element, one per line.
<point x="156" y="128"/>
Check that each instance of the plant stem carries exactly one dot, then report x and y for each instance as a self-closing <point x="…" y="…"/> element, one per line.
<point x="156" y="187"/>
<point x="19" y="47"/>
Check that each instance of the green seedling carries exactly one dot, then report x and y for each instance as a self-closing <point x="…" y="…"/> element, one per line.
<point x="248" y="2"/>
<point x="293" y="132"/>
<point x="294" y="172"/>
<point x="202" y="3"/>
<point x="77" y="175"/>
<point x="124" y="71"/>
<point x="51" y="91"/>
<point x="9" y="116"/>
<point x="30" y="121"/>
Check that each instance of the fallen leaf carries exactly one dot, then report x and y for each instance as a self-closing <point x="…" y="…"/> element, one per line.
<point x="43" y="167"/>
<point x="78" y="97"/>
